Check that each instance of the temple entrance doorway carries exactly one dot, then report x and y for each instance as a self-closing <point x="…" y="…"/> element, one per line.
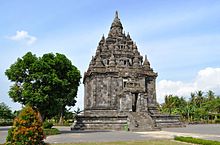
<point x="134" y="102"/>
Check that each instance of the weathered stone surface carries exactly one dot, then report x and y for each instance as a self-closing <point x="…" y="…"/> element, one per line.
<point x="119" y="87"/>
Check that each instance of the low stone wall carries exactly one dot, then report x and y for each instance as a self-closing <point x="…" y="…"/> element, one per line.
<point x="165" y="121"/>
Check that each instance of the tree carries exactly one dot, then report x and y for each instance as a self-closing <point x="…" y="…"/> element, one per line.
<point x="173" y="104"/>
<point x="5" y="112"/>
<point x="193" y="97"/>
<point x="199" y="107"/>
<point x="48" y="83"/>
<point x="213" y="105"/>
<point x="210" y="95"/>
<point x="199" y="98"/>
<point x="78" y="111"/>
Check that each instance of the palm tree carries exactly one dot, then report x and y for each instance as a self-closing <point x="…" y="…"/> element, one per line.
<point x="169" y="103"/>
<point x="199" y="98"/>
<point x="78" y="111"/>
<point x="193" y="97"/>
<point x="210" y="95"/>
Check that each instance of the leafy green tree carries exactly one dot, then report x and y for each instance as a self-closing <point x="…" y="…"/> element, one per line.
<point x="174" y="104"/>
<point x="48" y="83"/>
<point x="168" y="105"/>
<point x="210" y="95"/>
<point x="191" y="111"/>
<point x="193" y="97"/>
<point x="5" y="112"/>
<point x="199" y="98"/>
<point x="213" y="105"/>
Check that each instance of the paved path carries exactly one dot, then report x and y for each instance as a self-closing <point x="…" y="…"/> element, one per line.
<point x="3" y="133"/>
<point x="205" y="131"/>
<point x="95" y="136"/>
<point x="199" y="128"/>
<point x="199" y="131"/>
<point x="211" y="132"/>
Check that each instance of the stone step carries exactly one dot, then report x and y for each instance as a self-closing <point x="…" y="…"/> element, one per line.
<point x="140" y="122"/>
<point x="104" y="122"/>
<point x="158" y="121"/>
<point x="169" y="125"/>
<point x="100" y="122"/>
<point x="99" y="126"/>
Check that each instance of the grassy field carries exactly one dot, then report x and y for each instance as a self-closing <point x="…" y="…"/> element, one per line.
<point x="157" y="142"/>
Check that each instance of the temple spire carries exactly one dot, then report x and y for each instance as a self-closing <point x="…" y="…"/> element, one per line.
<point x="146" y="63"/>
<point x="116" y="14"/>
<point x="116" y="27"/>
<point x="128" y="36"/>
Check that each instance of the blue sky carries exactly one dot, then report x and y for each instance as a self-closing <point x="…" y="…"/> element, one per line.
<point x="181" y="38"/>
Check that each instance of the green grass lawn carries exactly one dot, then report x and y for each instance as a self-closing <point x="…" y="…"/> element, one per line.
<point x="52" y="131"/>
<point x="152" y="142"/>
<point x="196" y="140"/>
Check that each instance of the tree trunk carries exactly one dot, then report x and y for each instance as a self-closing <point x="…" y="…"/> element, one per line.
<point x="41" y="116"/>
<point x="61" y="117"/>
<point x="170" y="111"/>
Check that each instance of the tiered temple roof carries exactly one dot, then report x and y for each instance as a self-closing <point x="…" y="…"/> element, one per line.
<point x="118" y="51"/>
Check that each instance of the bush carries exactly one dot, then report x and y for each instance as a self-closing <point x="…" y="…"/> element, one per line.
<point x="126" y="128"/>
<point x="6" y="123"/>
<point x="217" y="120"/>
<point x="52" y="131"/>
<point x="26" y="129"/>
<point x="196" y="140"/>
<point x="47" y="125"/>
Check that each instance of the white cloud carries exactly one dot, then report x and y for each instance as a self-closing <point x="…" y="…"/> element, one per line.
<point x="23" y="36"/>
<point x="206" y="79"/>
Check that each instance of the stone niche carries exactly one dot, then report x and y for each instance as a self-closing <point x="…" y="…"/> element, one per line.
<point x="119" y="88"/>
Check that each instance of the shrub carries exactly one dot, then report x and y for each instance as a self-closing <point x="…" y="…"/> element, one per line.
<point x="26" y="129"/>
<point x="6" y="123"/>
<point x="196" y="140"/>
<point x="47" y="125"/>
<point x="217" y="120"/>
<point x="126" y="128"/>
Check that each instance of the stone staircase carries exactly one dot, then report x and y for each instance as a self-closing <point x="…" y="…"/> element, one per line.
<point x="140" y="121"/>
<point x="100" y="123"/>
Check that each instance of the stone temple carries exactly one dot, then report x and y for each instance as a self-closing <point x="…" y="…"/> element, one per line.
<point x="119" y="88"/>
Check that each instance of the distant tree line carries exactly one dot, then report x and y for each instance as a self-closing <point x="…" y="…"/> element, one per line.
<point x="6" y="115"/>
<point x="200" y="107"/>
<point x="6" y="112"/>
